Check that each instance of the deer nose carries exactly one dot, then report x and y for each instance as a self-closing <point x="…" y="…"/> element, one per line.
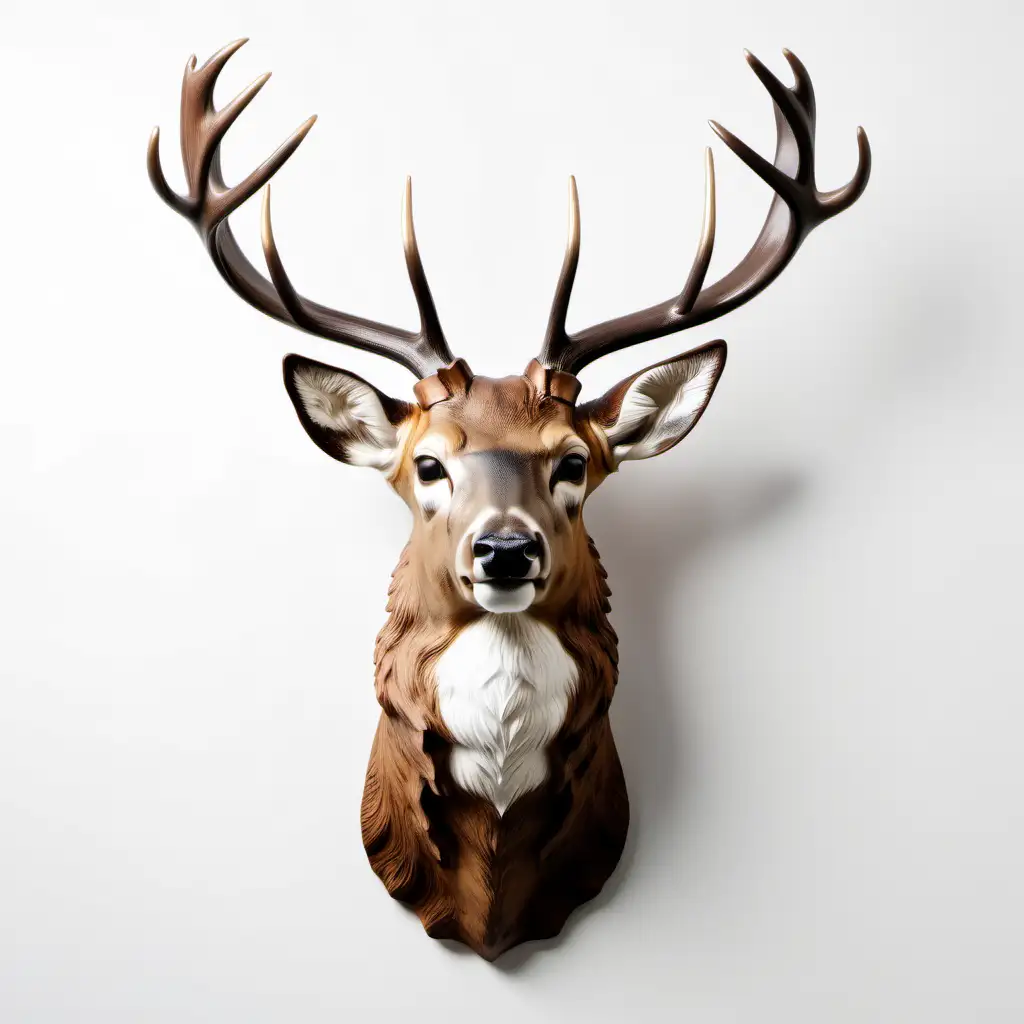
<point x="506" y="556"/>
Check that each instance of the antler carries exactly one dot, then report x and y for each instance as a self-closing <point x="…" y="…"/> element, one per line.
<point x="210" y="202"/>
<point x="796" y="209"/>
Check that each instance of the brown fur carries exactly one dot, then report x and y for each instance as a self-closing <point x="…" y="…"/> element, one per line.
<point x="489" y="881"/>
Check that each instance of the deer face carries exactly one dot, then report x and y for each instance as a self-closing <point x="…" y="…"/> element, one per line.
<point x="496" y="477"/>
<point x="496" y="474"/>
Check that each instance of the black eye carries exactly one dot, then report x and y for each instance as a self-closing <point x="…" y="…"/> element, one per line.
<point x="572" y="469"/>
<point x="429" y="469"/>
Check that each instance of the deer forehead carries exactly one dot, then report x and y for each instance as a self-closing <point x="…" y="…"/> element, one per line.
<point x="495" y="414"/>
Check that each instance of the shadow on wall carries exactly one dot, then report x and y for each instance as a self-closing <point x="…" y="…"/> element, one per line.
<point x="914" y="327"/>
<point x="644" y="563"/>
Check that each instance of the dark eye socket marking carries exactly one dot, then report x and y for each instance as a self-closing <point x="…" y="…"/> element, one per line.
<point x="428" y="469"/>
<point x="572" y="470"/>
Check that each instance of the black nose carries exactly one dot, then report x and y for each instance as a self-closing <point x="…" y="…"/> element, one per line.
<point x="506" y="556"/>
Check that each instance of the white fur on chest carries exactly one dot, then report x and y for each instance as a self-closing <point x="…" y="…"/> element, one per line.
<point x="503" y="689"/>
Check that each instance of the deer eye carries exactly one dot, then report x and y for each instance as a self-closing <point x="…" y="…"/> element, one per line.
<point x="572" y="470"/>
<point x="428" y="469"/>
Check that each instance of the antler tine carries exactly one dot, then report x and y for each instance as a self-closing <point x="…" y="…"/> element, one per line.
<point x="233" y="198"/>
<point x="228" y="114"/>
<point x="770" y="173"/>
<point x="177" y="203"/>
<point x="706" y="245"/>
<point x="556" y="339"/>
<point x="843" y="198"/>
<point x="422" y="352"/>
<point x="209" y="203"/>
<point x="282" y="283"/>
<point x="797" y="207"/>
<point x="791" y="119"/>
<point x="802" y="85"/>
<point x="213" y="65"/>
<point x="430" y="325"/>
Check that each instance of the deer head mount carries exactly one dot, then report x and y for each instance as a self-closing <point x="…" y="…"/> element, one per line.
<point x="494" y="801"/>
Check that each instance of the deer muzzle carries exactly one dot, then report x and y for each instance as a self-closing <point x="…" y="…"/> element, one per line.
<point x="507" y="567"/>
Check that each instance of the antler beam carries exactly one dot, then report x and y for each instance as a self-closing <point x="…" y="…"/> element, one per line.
<point x="796" y="209"/>
<point x="210" y="202"/>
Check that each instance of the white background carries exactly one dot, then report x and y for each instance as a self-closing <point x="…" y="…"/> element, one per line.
<point x="818" y="594"/>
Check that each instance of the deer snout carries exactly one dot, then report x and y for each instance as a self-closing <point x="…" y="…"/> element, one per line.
<point x="511" y="556"/>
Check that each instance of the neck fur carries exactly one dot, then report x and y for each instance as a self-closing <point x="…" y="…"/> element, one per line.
<point x="425" y="617"/>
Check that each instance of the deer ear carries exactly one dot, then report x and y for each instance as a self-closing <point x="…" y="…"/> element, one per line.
<point x="653" y="410"/>
<point x="344" y="415"/>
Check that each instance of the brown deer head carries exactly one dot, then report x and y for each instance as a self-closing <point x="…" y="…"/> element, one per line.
<point x="496" y="473"/>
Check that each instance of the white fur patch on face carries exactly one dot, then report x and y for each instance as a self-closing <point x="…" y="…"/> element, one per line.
<point x="348" y="407"/>
<point x="433" y="496"/>
<point x="502" y="600"/>
<point x="663" y="403"/>
<point x="503" y="689"/>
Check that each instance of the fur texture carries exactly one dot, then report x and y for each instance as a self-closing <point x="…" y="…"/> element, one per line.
<point x="350" y="411"/>
<point x="494" y="802"/>
<point x="653" y="410"/>
<point x="487" y="879"/>
<point x="503" y="687"/>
